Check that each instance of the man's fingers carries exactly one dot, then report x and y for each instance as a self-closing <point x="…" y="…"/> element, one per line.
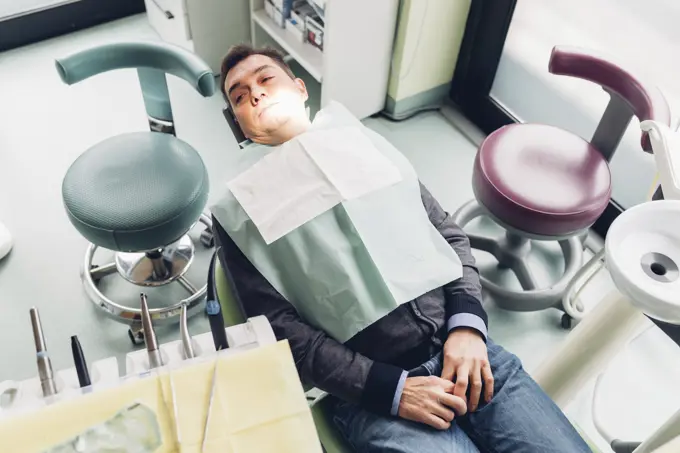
<point x="454" y="402"/>
<point x="442" y="411"/>
<point x="436" y="422"/>
<point x="487" y="377"/>
<point x="462" y="376"/>
<point x="475" y="386"/>
<point x="448" y="370"/>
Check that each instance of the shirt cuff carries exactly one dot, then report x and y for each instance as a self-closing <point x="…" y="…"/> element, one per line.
<point x="382" y="384"/>
<point x="397" y="394"/>
<point x="467" y="320"/>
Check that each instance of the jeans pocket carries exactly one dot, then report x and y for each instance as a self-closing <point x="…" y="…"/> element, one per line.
<point x="420" y="371"/>
<point x="429" y="368"/>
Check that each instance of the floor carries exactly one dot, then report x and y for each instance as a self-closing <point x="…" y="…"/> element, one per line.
<point x="46" y="125"/>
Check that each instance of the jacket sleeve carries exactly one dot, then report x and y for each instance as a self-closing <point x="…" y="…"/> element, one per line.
<point x="321" y="361"/>
<point x="463" y="296"/>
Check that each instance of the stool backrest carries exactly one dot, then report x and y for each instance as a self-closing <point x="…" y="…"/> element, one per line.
<point x="630" y="96"/>
<point x="152" y="60"/>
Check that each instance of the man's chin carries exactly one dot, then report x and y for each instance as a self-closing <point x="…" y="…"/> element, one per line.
<point x="271" y="124"/>
<point x="267" y="133"/>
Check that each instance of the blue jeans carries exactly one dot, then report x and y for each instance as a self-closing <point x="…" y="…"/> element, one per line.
<point x="520" y="418"/>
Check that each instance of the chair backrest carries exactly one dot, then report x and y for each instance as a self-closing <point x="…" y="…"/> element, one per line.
<point x="231" y="309"/>
<point x="152" y="60"/>
<point x="240" y="137"/>
<point x="630" y="95"/>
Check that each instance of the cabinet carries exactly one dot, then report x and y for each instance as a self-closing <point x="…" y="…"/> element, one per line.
<point x="205" y="27"/>
<point x="354" y="66"/>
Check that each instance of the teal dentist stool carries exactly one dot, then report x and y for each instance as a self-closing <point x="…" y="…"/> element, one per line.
<point x="140" y="193"/>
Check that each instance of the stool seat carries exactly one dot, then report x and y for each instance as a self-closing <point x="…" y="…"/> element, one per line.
<point x="541" y="179"/>
<point x="136" y="192"/>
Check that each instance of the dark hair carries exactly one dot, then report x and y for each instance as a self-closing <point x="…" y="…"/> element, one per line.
<point x="240" y="52"/>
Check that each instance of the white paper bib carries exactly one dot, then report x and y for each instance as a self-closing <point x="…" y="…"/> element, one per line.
<point x="348" y="240"/>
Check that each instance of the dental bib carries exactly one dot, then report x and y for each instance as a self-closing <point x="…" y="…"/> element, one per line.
<point x="334" y="220"/>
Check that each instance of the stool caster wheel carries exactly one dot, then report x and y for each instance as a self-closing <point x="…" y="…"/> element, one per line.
<point x="207" y="238"/>
<point x="566" y="321"/>
<point x="136" y="334"/>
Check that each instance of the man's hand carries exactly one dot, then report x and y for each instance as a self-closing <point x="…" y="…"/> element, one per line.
<point x="465" y="357"/>
<point x="429" y="400"/>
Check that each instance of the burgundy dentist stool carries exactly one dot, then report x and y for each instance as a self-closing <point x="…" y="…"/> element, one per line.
<point x="544" y="183"/>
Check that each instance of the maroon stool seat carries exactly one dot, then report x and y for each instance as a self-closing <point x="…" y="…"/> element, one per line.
<point x="542" y="183"/>
<point x="541" y="179"/>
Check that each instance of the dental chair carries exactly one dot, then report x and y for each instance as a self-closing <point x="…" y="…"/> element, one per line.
<point x="331" y="440"/>
<point x="544" y="183"/>
<point x="139" y="194"/>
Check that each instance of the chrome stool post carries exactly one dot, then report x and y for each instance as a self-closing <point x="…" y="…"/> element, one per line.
<point x="148" y="269"/>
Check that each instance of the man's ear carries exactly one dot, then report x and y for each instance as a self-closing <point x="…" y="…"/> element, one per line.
<point x="302" y="87"/>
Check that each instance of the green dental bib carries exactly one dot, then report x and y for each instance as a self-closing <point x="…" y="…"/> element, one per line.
<point x="343" y="259"/>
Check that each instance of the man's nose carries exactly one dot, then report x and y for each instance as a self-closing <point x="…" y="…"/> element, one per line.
<point x="258" y="95"/>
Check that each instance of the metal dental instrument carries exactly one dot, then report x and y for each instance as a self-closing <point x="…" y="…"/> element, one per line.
<point x="152" y="350"/>
<point x="187" y="346"/>
<point x="45" y="373"/>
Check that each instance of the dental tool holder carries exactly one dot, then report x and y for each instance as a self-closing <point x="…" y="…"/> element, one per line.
<point x="29" y="392"/>
<point x="104" y="373"/>
<point x="254" y="332"/>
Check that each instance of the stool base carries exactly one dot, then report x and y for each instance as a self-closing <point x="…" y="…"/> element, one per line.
<point x="511" y="252"/>
<point x="162" y="267"/>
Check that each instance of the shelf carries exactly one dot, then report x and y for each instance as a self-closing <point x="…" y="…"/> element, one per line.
<point x="307" y="55"/>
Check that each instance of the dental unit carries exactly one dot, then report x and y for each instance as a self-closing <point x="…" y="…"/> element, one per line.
<point x="642" y="256"/>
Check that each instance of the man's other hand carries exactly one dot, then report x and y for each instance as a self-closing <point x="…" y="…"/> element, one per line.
<point x="429" y="400"/>
<point x="466" y="359"/>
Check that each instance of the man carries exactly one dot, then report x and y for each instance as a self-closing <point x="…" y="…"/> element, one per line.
<point x="424" y="377"/>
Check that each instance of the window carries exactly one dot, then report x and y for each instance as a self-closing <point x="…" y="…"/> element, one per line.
<point x="18" y="7"/>
<point x="24" y="22"/>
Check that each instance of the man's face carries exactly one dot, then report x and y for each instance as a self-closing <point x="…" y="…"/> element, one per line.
<point x="263" y="97"/>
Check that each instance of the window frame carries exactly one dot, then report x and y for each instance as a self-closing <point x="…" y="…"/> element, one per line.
<point x="486" y="29"/>
<point x="38" y="25"/>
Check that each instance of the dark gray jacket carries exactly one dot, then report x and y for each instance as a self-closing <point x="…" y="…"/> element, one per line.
<point x="370" y="367"/>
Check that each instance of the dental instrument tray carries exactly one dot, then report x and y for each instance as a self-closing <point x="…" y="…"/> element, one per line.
<point x="212" y="402"/>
